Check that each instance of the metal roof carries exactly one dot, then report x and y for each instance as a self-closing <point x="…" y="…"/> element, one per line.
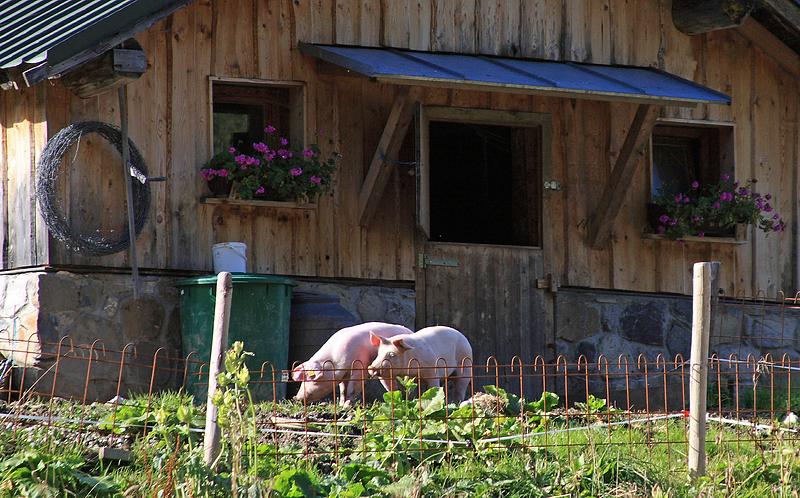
<point x="31" y="27"/>
<point x="569" y="79"/>
<point x="60" y="34"/>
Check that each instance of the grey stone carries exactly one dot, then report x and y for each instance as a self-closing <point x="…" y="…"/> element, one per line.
<point x="587" y="348"/>
<point x="769" y="330"/>
<point x="643" y="323"/>
<point x="679" y="340"/>
<point x="371" y="306"/>
<point x="141" y="319"/>
<point x="111" y="306"/>
<point x="681" y="309"/>
<point x="577" y="319"/>
<point x="730" y="325"/>
<point x="57" y="293"/>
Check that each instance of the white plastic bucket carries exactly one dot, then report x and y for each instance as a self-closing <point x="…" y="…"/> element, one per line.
<point x="230" y="256"/>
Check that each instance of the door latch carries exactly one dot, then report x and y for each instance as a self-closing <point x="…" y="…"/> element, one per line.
<point x="424" y="261"/>
<point x="548" y="282"/>
<point x="553" y="185"/>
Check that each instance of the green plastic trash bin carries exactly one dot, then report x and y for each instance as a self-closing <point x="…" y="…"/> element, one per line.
<point x="259" y="318"/>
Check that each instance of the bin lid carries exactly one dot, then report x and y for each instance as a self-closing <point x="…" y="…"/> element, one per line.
<point x="238" y="278"/>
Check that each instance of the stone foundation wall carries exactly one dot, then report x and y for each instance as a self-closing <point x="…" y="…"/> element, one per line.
<point x="40" y="310"/>
<point x="593" y="323"/>
<point x="84" y="316"/>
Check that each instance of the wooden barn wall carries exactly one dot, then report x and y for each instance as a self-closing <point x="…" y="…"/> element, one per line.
<point x="170" y="120"/>
<point x="23" y="132"/>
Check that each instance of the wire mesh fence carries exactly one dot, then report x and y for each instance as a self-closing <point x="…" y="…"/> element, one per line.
<point x="632" y="405"/>
<point x="535" y="405"/>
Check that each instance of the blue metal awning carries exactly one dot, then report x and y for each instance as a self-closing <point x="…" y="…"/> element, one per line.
<point x="506" y="74"/>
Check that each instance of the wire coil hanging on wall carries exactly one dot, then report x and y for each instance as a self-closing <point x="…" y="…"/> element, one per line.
<point x="47" y="175"/>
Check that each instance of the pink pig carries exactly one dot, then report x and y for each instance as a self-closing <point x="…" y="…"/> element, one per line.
<point x="349" y="348"/>
<point x="431" y="354"/>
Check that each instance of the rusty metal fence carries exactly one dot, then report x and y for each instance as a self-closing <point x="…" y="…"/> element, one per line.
<point x="507" y="408"/>
<point x="528" y="404"/>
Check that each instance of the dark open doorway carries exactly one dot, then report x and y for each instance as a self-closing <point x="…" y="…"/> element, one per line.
<point x="484" y="184"/>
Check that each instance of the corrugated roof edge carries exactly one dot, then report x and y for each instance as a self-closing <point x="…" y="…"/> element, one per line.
<point x="317" y="50"/>
<point x="102" y="36"/>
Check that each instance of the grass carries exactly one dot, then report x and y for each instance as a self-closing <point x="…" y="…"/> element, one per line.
<point x="400" y="447"/>
<point x="642" y="460"/>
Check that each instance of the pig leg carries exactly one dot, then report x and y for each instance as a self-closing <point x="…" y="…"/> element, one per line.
<point x="350" y="387"/>
<point x="430" y="383"/>
<point x="461" y="384"/>
<point x="345" y="394"/>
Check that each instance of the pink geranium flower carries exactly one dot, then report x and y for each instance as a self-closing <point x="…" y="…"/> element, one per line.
<point x="308" y="153"/>
<point x="315" y="180"/>
<point x="270" y="129"/>
<point x="296" y="171"/>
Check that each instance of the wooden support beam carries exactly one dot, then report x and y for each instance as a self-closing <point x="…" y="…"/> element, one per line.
<point x="380" y="167"/>
<point x="787" y="10"/>
<point x="622" y="175"/>
<point x="769" y="43"/>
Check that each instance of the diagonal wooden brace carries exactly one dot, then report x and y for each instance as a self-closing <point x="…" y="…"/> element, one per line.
<point x="380" y="167"/>
<point x="622" y="175"/>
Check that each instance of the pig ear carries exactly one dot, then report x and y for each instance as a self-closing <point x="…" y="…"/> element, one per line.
<point x="297" y="373"/>
<point x="401" y="343"/>
<point x="374" y="339"/>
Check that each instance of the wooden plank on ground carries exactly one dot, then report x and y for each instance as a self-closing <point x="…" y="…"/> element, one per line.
<point x="381" y="165"/>
<point x="620" y="179"/>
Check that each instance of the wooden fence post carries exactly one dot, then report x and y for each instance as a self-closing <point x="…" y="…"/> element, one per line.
<point x="222" y="314"/>
<point x="705" y="290"/>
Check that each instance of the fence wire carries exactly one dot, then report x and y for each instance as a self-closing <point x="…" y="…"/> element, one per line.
<point x="109" y="396"/>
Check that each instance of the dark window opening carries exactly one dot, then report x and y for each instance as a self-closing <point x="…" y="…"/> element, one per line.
<point x="241" y="112"/>
<point x="484" y="184"/>
<point x="683" y="154"/>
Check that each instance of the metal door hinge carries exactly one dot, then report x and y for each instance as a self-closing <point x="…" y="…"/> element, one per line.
<point x="554" y="185"/>
<point x="424" y="261"/>
<point x="547" y="282"/>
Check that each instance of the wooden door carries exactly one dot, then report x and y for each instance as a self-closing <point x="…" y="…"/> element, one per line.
<point x="487" y="291"/>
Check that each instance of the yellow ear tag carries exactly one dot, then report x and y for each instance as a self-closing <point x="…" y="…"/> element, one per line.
<point x="312" y="374"/>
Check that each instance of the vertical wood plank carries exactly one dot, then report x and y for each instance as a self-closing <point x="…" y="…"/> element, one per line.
<point x="767" y="168"/>
<point x="466" y="26"/>
<point x="444" y="26"/>
<point x="274" y="39"/>
<point x="350" y="176"/>
<point x="234" y="45"/>
<point x="396" y="23"/>
<point x="323" y="26"/>
<point x="40" y="134"/>
<point x="420" y="24"/>
<point x="370" y="23"/>
<point x="348" y="22"/>
<point x="326" y="103"/>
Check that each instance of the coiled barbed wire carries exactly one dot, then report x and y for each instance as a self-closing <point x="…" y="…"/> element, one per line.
<point x="47" y="174"/>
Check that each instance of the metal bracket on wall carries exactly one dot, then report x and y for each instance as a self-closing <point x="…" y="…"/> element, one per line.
<point x="553" y="185"/>
<point x="548" y="283"/>
<point x="424" y="261"/>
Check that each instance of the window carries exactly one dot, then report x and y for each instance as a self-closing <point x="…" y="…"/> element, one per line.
<point x="484" y="183"/>
<point x="241" y="110"/>
<point x="683" y="154"/>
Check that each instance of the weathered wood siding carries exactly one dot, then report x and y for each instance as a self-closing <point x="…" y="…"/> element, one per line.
<point x="170" y="120"/>
<point x="23" y="132"/>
